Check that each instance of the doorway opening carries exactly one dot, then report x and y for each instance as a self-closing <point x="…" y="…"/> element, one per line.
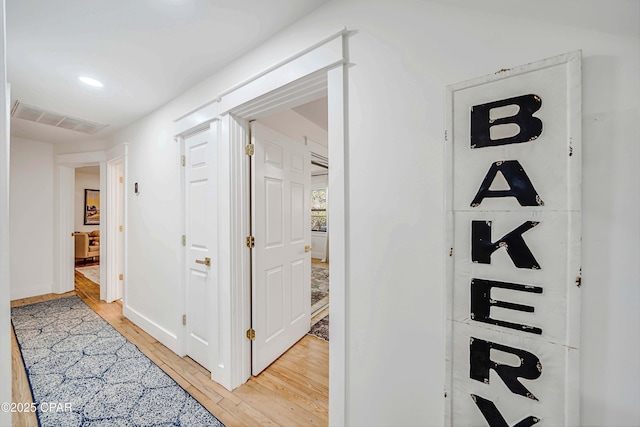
<point x="86" y="222"/>
<point x="320" y="279"/>
<point x="100" y="211"/>
<point x="318" y="71"/>
<point x="307" y="124"/>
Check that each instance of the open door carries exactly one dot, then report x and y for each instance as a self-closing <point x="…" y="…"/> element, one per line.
<point x="200" y="240"/>
<point x="281" y="267"/>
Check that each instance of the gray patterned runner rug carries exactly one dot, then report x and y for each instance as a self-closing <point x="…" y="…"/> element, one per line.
<point x="83" y="372"/>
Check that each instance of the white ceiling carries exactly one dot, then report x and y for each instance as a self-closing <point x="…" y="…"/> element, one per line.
<point x="315" y="111"/>
<point x="146" y="52"/>
<point x="617" y="17"/>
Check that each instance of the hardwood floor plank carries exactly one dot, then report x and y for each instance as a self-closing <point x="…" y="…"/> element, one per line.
<point x="305" y="372"/>
<point x="247" y="414"/>
<point x="20" y="390"/>
<point x="305" y="400"/>
<point x="221" y="413"/>
<point x="282" y="404"/>
<point x="292" y="391"/>
<point x="297" y="382"/>
<point x="267" y="406"/>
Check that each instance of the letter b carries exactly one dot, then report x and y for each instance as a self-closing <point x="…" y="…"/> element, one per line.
<point x="530" y="127"/>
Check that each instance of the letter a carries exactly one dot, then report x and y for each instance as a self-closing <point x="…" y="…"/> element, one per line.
<point x="520" y="185"/>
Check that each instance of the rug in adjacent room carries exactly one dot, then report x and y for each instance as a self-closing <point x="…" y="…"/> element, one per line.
<point x="75" y="358"/>
<point x="321" y="329"/>
<point x="319" y="283"/>
<point x="92" y="273"/>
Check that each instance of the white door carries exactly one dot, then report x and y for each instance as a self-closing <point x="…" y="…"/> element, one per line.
<point x="200" y="221"/>
<point x="281" y="226"/>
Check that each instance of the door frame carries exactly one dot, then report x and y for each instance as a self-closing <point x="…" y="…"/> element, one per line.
<point x="64" y="258"/>
<point x="318" y="70"/>
<point x="114" y="157"/>
<point x="291" y="91"/>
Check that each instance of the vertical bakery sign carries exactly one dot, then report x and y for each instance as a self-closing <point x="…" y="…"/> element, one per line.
<point x="513" y="246"/>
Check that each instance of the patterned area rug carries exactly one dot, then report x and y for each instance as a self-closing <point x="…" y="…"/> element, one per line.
<point x="92" y="273"/>
<point x="319" y="283"/>
<point x="83" y="372"/>
<point x="321" y="329"/>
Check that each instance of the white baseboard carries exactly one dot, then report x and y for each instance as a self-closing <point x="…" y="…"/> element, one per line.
<point x="31" y="291"/>
<point x="167" y="338"/>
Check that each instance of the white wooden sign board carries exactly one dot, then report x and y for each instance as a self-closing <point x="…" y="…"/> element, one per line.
<point x="514" y="231"/>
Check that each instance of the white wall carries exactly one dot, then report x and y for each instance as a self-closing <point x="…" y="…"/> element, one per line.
<point x="83" y="181"/>
<point x="295" y="126"/>
<point x="403" y="55"/>
<point x="80" y="146"/>
<point x="31" y="211"/>
<point x="152" y="290"/>
<point x="5" y="342"/>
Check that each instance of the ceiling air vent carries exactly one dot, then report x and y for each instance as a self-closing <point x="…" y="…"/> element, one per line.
<point x="40" y="115"/>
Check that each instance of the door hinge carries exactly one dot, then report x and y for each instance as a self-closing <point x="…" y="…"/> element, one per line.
<point x="251" y="241"/>
<point x="251" y="334"/>
<point x="184" y="240"/>
<point x="184" y="160"/>
<point x="249" y="149"/>
<point x="121" y="180"/>
<point x="121" y="277"/>
<point x="184" y="319"/>
<point x="445" y="136"/>
<point x="121" y="228"/>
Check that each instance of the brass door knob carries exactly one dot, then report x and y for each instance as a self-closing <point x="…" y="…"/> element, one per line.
<point x="307" y="248"/>
<point x="206" y="261"/>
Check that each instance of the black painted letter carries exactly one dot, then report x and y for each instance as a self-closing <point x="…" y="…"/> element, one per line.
<point x="530" y="127"/>
<point x="520" y="185"/>
<point x="495" y="418"/>
<point x="481" y="303"/>
<point x="530" y="367"/>
<point x="482" y="247"/>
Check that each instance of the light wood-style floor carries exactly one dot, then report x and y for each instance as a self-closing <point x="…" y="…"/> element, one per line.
<point x="293" y="391"/>
<point x="319" y="263"/>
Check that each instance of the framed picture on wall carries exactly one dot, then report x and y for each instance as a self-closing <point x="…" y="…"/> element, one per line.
<point x="91" y="207"/>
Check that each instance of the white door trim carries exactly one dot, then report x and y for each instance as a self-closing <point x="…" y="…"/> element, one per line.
<point x="65" y="184"/>
<point x="234" y="357"/>
<point x="114" y="157"/>
<point x="339" y="243"/>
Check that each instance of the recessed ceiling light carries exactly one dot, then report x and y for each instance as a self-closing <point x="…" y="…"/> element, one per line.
<point x="91" y="82"/>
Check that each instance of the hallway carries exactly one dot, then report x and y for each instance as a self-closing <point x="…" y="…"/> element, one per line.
<point x="292" y="391"/>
